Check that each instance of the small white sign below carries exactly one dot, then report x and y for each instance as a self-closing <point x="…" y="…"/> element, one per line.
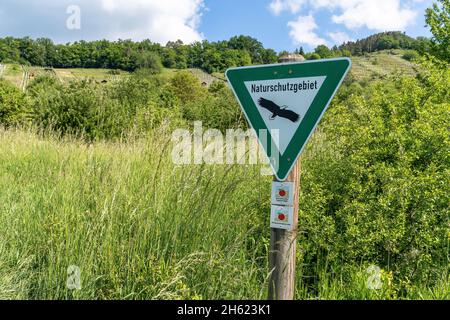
<point x="282" y="218"/>
<point x="282" y="193"/>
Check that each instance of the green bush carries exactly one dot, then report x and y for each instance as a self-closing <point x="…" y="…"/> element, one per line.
<point x="14" y="105"/>
<point x="137" y="103"/>
<point x="313" y="56"/>
<point x="186" y="87"/>
<point x="220" y="111"/>
<point x="69" y="109"/>
<point x="150" y="62"/>
<point x="375" y="181"/>
<point x="411" y="55"/>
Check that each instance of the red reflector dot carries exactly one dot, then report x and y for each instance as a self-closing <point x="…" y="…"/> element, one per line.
<point x="281" y="217"/>
<point x="282" y="193"/>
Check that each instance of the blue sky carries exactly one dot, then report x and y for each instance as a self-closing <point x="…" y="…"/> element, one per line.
<point x="278" y="24"/>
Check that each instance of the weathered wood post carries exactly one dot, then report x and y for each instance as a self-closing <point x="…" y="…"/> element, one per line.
<point x="283" y="243"/>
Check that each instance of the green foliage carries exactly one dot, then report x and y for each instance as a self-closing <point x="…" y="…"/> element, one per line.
<point x="134" y="104"/>
<point x="258" y="54"/>
<point x="186" y="87"/>
<point x="150" y="62"/>
<point x="411" y="55"/>
<point x="324" y="52"/>
<point x="374" y="185"/>
<point x="217" y="87"/>
<point x="138" y="226"/>
<point x="313" y="56"/>
<point x="375" y="180"/>
<point x="72" y="110"/>
<point x="14" y="105"/>
<point x="218" y="110"/>
<point x="345" y="53"/>
<point x="93" y="111"/>
<point x="128" y="55"/>
<point x="384" y="41"/>
<point x="438" y="19"/>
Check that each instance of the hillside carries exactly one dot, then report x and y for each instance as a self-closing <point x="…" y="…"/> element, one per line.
<point x="380" y="64"/>
<point x="386" y="41"/>
<point x="366" y="67"/>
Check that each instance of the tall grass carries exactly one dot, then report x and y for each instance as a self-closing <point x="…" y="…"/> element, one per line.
<point x="136" y="225"/>
<point x="140" y="227"/>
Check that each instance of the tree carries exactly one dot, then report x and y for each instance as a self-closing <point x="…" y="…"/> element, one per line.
<point x="129" y="55"/>
<point x="346" y="53"/>
<point x="313" y="56"/>
<point x="283" y="53"/>
<point x="323" y="51"/>
<point x="300" y="51"/>
<point x="186" y="86"/>
<point x="14" y="105"/>
<point x="423" y="44"/>
<point x="246" y="43"/>
<point x="269" y="56"/>
<point x="438" y="19"/>
<point x="149" y="61"/>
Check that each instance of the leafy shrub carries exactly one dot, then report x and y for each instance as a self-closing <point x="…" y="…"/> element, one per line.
<point x="313" y="56"/>
<point x="411" y="55"/>
<point x="14" y="105"/>
<point x="219" y="111"/>
<point x="69" y="109"/>
<point x="150" y="62"/>
<point x="186" y="87"/>
<point x="375" y="180"/>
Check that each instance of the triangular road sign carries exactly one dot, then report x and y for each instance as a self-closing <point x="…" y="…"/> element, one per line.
<point x="284" y="103"/>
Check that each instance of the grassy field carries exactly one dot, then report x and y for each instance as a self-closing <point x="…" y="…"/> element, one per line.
<point x="140" y="227"/>
<point x="66" y="75"/>
<point x="14" y="74"/>
<point x="137" y="226"/>
<point x="380" y="64"/>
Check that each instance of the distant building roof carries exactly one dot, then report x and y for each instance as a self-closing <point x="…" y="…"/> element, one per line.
<point x="291" y="57"/>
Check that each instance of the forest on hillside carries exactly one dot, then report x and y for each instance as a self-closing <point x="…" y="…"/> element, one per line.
<point x="209" y="56"/>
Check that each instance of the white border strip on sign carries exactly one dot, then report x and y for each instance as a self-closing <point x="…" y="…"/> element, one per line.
<point x="318" y="120"/>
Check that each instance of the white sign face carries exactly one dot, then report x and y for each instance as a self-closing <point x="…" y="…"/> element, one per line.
<point x="282" y="193"/>
<point x="284" y="103"/>
<point x="282" y="218"/>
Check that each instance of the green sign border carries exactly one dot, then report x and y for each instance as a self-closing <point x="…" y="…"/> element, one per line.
<point x="334" y="70"/>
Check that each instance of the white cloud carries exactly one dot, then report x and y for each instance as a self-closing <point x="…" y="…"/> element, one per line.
<point x="157" y="20"/>
<point x="161" y="21"/>
<point x="293" y="6"/>
<point x="302" y="31"/>
<point x="380" y="15"/>
<point x="339" y="37"/>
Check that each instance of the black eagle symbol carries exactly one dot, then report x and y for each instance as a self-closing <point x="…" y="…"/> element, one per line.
<point x="278" y="111"/>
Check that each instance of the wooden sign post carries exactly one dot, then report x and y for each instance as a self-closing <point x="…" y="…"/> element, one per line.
<point x="283" y="243"/>
<point x="282" y="251"/>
